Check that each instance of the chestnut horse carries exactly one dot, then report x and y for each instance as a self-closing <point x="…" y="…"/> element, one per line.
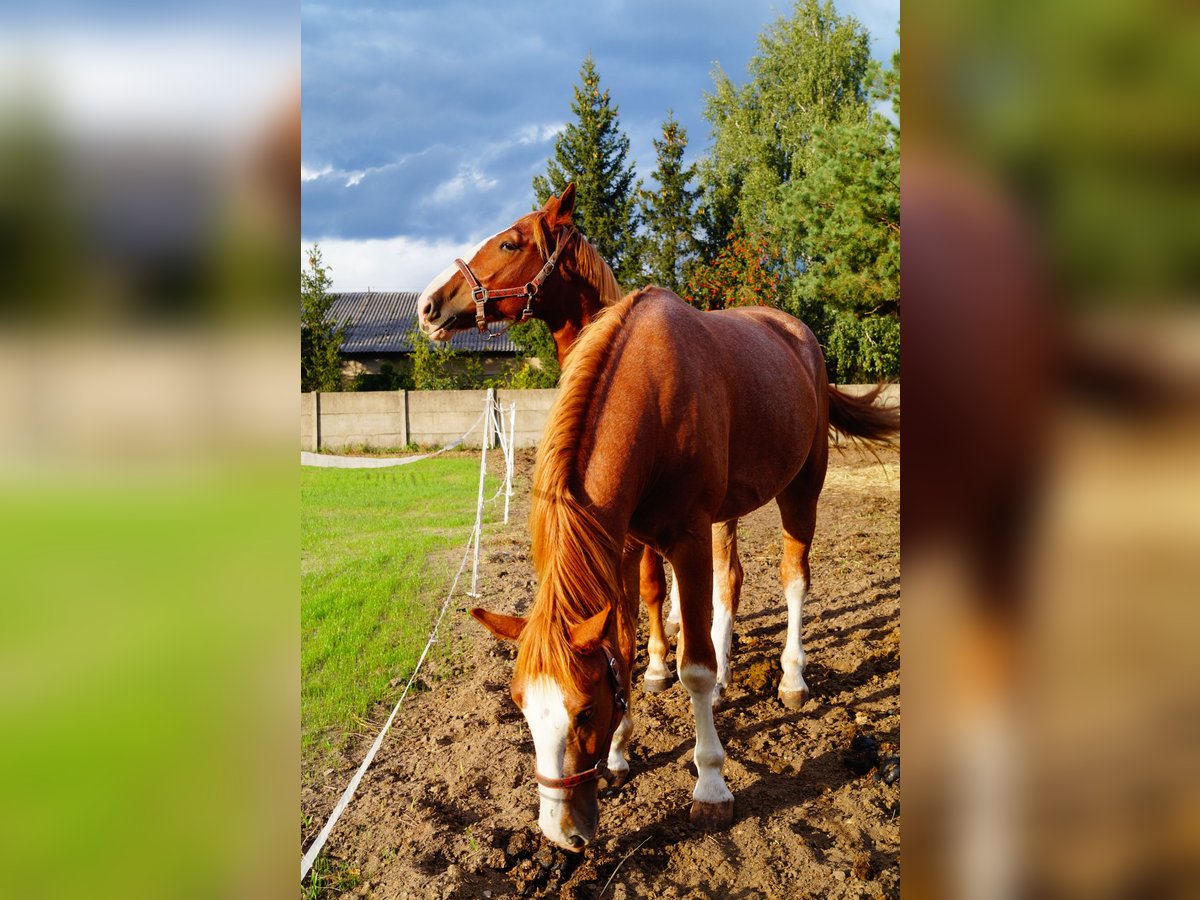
<point x="669" y="421"/>
<point x="576" y="285"/>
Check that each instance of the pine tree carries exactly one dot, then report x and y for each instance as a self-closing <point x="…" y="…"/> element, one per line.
<point x="669" y="213"/>
<point x="592" y="152"/>
<point x="320" y="337"/>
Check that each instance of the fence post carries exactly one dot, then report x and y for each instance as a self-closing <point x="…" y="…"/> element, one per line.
<point x="510" y="450"/>
<point x="487" y="436"/>
<point x="403" y="417"/>
<point x="316" y="421"/>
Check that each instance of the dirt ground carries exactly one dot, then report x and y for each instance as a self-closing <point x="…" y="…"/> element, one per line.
<point x="449" y="807"/>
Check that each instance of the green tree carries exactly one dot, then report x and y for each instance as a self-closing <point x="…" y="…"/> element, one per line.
<point x="669" y="213"/>
<point x="845" y="214"/>
<point x="432" y="364"/>
<point x="534" y="339"/>
<point x="810" y="70"/>
<point x="592" y="152"/>
<point x="320" y="337"/>
<point x="803" y="161"/>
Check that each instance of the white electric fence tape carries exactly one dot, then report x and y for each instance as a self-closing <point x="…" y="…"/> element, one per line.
<point x="490" y="419"/>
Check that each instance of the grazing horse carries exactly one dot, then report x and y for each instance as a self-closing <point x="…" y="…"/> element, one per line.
<point x="541" y="267"/>
<point x="668" y="422"/>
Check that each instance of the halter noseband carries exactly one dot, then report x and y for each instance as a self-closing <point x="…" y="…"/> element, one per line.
<point x="482" y="295"/>
<point x="600" y="769"/>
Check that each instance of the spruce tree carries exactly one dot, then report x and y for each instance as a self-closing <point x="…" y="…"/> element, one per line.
<point x="669" y="213"/>
<point x="320" y="337"/>
<point x="592" y="152"/>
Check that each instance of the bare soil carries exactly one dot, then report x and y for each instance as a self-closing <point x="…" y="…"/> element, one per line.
<point x="449" y="807"/>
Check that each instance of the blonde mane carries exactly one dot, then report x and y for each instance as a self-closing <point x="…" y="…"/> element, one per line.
<point x="590" y="264"/>
<point x="577" y="562"/>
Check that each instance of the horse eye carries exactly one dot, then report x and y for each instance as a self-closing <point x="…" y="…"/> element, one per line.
<point x="584" y="715"/>
<point x="508" y="245"/>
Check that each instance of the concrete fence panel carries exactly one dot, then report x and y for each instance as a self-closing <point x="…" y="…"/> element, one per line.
<point x="439" y="417"/>
<point x="375" y="419"/>
<point x="391" y="419"/>
<point x="533" y="410"/>
<point x="308" y="422"/>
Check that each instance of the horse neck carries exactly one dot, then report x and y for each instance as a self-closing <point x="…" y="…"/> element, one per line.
<point x="572" y="303"/>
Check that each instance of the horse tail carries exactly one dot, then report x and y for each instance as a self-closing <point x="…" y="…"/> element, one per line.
<point x="859" y="417"/>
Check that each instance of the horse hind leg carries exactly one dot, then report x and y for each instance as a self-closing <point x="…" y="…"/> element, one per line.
<point x="727" y="590"/>
<point x="798" y="509"/>
<point x="691" y="558"/>
<point x="653" y="589"/>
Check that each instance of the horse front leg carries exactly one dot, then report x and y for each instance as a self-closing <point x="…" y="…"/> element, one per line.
<point x="653" y="589"/>
<point x="691" y="558"/>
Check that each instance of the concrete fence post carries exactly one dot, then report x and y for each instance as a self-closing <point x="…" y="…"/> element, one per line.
<point x="316" y="421"/>
<point x="403" y="418"/>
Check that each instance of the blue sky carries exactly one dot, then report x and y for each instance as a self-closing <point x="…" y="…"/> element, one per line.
<point x="425" y="122"/>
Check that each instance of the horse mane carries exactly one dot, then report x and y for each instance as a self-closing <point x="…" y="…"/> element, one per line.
<point x="590" y="265"/>
<point x="577" y="562"/>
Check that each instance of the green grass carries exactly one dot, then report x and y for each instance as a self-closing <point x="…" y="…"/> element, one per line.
<point x="378" y="550"/>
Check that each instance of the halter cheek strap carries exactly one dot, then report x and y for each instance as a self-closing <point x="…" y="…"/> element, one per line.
<point x="600" y="769"/>
<point x="482" y="295"/>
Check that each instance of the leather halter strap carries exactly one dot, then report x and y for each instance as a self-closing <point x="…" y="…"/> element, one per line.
<point x="600" y="769"/>
<point x="482" y="295"/>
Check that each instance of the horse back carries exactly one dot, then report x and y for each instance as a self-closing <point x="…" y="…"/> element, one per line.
<point x="725" y="407"/>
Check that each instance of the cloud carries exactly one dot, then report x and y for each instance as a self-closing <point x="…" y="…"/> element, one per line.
<point x="414" y="135"/>
<point x="539" y="134"/>
<point x="309" y="174"/>
<point x="391" y="264"/>
<point x="454" y="188"/>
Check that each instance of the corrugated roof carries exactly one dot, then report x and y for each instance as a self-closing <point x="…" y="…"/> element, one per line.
<point x="381" y="322"/>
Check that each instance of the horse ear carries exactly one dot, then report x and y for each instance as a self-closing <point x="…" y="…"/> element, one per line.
<point x="586" y="635"/>
<point x="507" y="628"/>
<point x="558" y="209"/>
<point x="566" y="202"/>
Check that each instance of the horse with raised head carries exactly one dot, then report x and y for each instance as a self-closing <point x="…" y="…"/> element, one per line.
<point x="669" y="421"/>
<point x="542" y="267"/>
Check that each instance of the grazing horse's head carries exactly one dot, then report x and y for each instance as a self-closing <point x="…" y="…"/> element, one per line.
<point x="509" y="259"/>
<point x="569" y="688"/>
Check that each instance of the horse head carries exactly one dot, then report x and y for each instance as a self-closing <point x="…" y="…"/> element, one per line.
<point x="573" y="699"/>
<point x="503" y="266"/>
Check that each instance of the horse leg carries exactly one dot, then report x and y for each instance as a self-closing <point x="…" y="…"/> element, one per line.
<point x="671" y="626"/>
<point x="798" y="509"/>
<point x="618" y="763"/>
<point x="653" y="588"/>
<point x="727" y="591"/>
<point x="691" y="558"/>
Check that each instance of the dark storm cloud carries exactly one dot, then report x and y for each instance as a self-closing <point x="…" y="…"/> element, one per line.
<point x="429" y="121"/>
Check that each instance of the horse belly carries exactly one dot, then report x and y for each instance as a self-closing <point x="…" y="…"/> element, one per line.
<point x="762" y="462"/>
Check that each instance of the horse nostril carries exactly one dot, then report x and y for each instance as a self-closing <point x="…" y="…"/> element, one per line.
<point x="576" y="842"/>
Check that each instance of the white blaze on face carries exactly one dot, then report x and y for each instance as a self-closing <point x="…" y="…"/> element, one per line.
<point x="546" y="712"/>
<point x="442" y="278"/>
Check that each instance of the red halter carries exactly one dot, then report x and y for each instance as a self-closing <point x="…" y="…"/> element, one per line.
<point x="482" y="295"/>
<point x="600" y="769"/>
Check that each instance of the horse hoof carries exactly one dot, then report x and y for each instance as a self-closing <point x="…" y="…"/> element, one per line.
<point x="656" y="685"/>
<point x="712" y="816"/>
<point x="670" y="629"/>
<point x="617" y="778"/>
<point x="793" y="699"/>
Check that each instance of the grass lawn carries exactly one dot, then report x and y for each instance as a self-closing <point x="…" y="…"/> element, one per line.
<point x="378" y="548"/>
